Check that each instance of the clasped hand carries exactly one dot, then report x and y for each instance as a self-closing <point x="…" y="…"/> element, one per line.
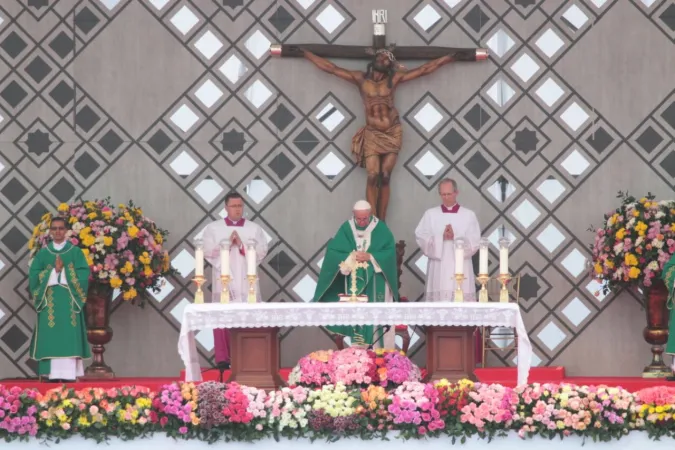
<point x="58" y="264"/>
<point x="235" y="240"/>
<point x="448" y="233"/>
<point x="362" y="256"/>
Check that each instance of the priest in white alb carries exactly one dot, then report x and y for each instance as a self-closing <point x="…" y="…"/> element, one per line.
<point x="233" y="234"/>
<point x="436" y="235"/>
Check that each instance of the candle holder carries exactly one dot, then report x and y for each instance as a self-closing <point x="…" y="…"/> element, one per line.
<point x="483" y="293"/>
<point x="225" y="292"/>
<point x="504" y="279"/>
<point x="251" y="287"/>
<point x="199" y="295"/>
<point x="459" y="294"/>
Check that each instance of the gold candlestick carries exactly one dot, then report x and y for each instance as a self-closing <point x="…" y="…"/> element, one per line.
<point x="459" y="294"/>
<point x="504" y="279"/>
<point x="483" y="293"/>
<point x="199" y="295"/>
<point x="251" y="287"/>
<point x="225" y="293"/>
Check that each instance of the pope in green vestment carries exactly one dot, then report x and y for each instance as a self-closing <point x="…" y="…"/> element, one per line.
<point x="369" y="239"/>
<point x="59" y="297"/>
<point x="668" y="276"/>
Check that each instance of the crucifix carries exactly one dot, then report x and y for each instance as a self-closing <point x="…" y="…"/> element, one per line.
<point x="376" y="145"/>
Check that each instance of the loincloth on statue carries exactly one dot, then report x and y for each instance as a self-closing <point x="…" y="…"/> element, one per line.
<point x="369" y="141"/>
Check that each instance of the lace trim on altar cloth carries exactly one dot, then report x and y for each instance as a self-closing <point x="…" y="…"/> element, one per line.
<point x="448" y="296"/>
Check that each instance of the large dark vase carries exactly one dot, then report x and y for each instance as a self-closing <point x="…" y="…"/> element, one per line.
<point x="99" y="333"/>
<point x="656" y="331"/>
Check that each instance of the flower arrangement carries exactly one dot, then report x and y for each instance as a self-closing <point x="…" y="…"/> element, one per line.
<point x="654" y="410"/>
<point x="634" y="242"/>
<point x="122" y="246"/>
<point x="18" y="412"/>
<point x="354" y="366"/>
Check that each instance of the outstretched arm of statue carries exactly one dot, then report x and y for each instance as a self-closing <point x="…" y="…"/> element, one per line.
<point x="352" y="76"/>
<point x="424" y="69"/>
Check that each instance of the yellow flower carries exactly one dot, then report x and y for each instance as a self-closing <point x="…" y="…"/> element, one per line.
<point x="107" y="241"/>
<point x="634" y="272"/>
<point x="88" y="240"/>
<point x="643" y="200"/>
<point x="144" y="258"/>
<point x="128" y="268"/>
<point x="636" y="213"/>
<point x="130" y="294"/>
<point x="86" y="252"/>
<point x="158" y="238"/>
<point x="63" y="207"/>
<point x="107" y="214"/>
<point x="598" y="268"/>
<point x="46" y="216"/>
<point x="115" y="282"/>
<point x="641" y="227"/>
<point x="147" y="271"/>
<point x="132" y="231"/>
<point x="621" y="233"/>
<point x="90" y="260"/>
<point x="72" y="220"/>
<point x="84" y="232"/>
<point x="92" y="215"/>
<point x="630" y="259"/>
<point x="31" y="244"/>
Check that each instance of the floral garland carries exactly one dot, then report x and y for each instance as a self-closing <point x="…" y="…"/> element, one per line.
<point x="214" y="411"/>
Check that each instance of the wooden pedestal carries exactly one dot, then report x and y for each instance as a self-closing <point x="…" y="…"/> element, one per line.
<point x="450" y="353"/>
<point x="254" y="353"/>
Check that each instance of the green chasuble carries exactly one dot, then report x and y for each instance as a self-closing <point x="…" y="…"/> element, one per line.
<point x="60" y="330"/>
<point x="376" y="239"/>
<point x="668" y="276"/>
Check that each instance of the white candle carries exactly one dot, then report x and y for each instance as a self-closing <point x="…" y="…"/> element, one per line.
<point x="483" y="260"/>
<point x="459" y="256"/>
<point x="251" y="261"/>
<point x="225" y="258"/>
<point x="199" y="262"/>
<point x="503" y="260"/>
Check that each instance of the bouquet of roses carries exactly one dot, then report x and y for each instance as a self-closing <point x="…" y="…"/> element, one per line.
<point x="654" y="410"/>
<point x="122" y="246"/>
<point x="634" y="242"/>
<point x="312" y="370"/>
<point x="393" y="368"/>
<point x="18" y="412"/>
<point x="177" y="407"/>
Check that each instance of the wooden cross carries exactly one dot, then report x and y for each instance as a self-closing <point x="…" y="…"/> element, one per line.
<point x="379" y="43"/>
<point x="376" y="145"/>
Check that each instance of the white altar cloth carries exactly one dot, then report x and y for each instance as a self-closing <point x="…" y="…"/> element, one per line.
<point x="208" y="316"/>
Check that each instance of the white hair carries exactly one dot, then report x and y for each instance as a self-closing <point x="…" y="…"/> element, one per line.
<point x="362" y="205"/>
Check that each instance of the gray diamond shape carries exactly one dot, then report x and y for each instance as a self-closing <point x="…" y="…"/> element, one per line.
<point x="476" y="117"/>
<point x="13" y="45"/>
<point x="477" y="165"/>
<point x="86" y="165"/>
<point x="35" y="213"/>
<point x="600" y="140"/>
<point x="86" y="20"/>
<point x="668" y="17"/>
<point x="14" y="338"/>
<point x="281" y="19"/>
<point x="13" y="94"/>
<point x="38" y="69"/>
<point x="476" y="18"/>
<point x="62" y="94"/>
<point x="669" y="115"/>
<point x="110" y="142"/>
<point x="62" y="45"/>
<point x="282" y="263"/>
<point x="649" y="139"/>
<point x="86" y="118"/>
<point x="453" y="141"/>
<point x="281" y="165"/>
<point x="668" y="163"/>
<point x="305" y="141"/>
<point x="159" y="141"/>
<point x="14" y="240"/>
<point x="529" y="286"/>
<point x="63" y="190"/>
<point x="14" y="191"/>
<point x="281" y="117"/>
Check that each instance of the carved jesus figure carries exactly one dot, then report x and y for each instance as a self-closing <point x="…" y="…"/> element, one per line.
<point x="376" y="145"/>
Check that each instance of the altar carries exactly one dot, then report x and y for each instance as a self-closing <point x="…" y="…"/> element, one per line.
<point x="254" y="332"/>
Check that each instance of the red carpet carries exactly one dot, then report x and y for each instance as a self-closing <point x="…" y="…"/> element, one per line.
<point x="501" y="375"/>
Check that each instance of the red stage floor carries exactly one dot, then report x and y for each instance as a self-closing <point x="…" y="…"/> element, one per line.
<point x="504" y="376"/>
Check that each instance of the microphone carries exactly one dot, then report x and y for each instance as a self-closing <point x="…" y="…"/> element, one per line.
<point x="385" y="330"/>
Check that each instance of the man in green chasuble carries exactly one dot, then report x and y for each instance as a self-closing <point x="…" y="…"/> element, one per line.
<point x="668" y="275"/>
<point x="59" y="277"/>
<point x="367" y="240"/>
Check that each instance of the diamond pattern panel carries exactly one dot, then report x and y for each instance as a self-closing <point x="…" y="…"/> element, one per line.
<point x="521" y="139"/>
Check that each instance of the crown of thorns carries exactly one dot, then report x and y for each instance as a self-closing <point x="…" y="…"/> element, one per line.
<point x="389" y="54"/>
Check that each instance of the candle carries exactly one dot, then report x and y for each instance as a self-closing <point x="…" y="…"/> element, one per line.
<point x="225" y="258"/>
<point x="503" y="256"/>
<point x="251" y="260"/>
<point x="199" y="262"/>
<point x="459" y="256"/>
<point x="483" y="258"/>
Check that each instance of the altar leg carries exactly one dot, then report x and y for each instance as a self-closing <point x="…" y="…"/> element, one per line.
<point x="254" y="355"/>
<point x="450" y="353"/>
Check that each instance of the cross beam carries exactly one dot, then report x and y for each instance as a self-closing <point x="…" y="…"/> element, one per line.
<point x="379" y="43"/>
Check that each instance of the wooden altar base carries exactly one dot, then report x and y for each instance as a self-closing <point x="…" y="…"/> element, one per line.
<point x="450" y="353"/>
<point x="255" y="357"/>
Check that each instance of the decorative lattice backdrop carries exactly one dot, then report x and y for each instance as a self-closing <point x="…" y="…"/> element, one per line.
<point x="173" y="103"/>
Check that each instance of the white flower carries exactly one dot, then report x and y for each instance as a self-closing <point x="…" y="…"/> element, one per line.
<point x="618" y="248"/>
<point x="103" y="274"/>
<point x="639" y="241"/>
<point x="657" y="243"/>
<point x="654" y="265"/>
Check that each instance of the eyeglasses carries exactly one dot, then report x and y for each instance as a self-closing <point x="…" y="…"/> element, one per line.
<point x="57" y="228"/>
